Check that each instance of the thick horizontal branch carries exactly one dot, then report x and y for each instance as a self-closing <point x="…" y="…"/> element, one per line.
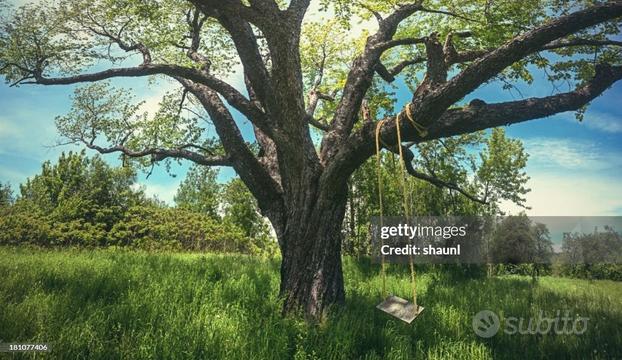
<point x="478" y="116"/>
<point x="484" y="116"/>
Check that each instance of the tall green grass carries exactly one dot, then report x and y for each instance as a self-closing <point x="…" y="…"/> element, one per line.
<point x="105" y="304"/>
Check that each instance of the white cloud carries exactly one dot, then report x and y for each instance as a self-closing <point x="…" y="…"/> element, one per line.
<point x="579" y="195"/>
<point x="571" y="154"/>
<point x="571" y="177"/>
<point x="603" y="122"/>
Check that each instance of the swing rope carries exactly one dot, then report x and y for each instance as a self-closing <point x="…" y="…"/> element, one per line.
<point x="379" y="176"/>
<point x="421" y="130"/>
<point x="406" y="198"/>
<point x="406" y="195"/>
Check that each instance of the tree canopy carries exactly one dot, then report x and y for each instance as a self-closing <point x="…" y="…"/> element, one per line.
<point x="451" y="47"/>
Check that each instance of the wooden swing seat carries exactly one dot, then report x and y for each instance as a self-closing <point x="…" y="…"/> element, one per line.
<point x="400" y="308"/>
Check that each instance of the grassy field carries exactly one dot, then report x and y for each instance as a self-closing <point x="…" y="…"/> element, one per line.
<point x="108" y="304"/>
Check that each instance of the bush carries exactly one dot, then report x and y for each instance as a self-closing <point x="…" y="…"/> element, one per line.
<point x="143" y="227"/>
<point x="153" y="228"/>
<point x="19" y="227"/>
<point x="82" y="201"/>
<point x="599" y="271"/>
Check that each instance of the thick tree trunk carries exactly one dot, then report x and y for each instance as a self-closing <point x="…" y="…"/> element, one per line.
<point x="311" y="272"/>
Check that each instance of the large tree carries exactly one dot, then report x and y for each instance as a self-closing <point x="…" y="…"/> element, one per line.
<point x="444" y="49"/>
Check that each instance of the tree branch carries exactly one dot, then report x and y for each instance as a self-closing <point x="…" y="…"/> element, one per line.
<point x="484" y="68"/>
<point x="317" y="124"/>
<point x="384" y="73"/>
<point x="359" y="79"/>
<point x="159" y="154"/>
<point x="434" y="180"/>
<point x="430" y="178"/>
<point x="258" y="179"/>
<point x="235" y="17"/>
<point x="478" y="116"/>
<point x="483" y="116"/>
<point x="249" y="14"/>
<point x="471" y="55"/>
<point x="140" y="47"/>
<point x="562" y="43"/>
<point x="389" y="74"/>
<point x="233" y="96"/>
<point x="195" y="23"/>
<point x="444" y="184"/>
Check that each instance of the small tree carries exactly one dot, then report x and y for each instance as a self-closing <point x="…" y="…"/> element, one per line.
<point x="75" y="200"/>
<point x="517" y="240"/>
<point x="200" y="192"/>
<point x="240" y="208"/>
<point x="78" y="187"/>
<point x="6" y="196"/>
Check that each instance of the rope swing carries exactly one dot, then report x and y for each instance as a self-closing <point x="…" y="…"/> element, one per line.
<point x="393" y="305"/>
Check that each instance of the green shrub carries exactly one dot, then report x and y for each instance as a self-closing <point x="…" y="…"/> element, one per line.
<point x="153" y="228"/>
<point x="19" y="227"/>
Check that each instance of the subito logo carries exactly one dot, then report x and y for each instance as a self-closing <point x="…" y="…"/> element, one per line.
<point x="486" y="324"/>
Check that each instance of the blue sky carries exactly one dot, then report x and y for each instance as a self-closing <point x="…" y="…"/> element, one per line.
<point x="575" y="168"/>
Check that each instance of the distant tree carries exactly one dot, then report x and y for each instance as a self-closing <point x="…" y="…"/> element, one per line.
<point x="6" y="196"/>
<point x="79" y="187"/>
<point x="76" y="200"/>
<point x="596" y="255"/>
<point x="517" y="240"/>
<point x="200" y="191"/>
<point x="604" y="246"/>
<point x="543" y="251"/>
<point x="240" y="208"/>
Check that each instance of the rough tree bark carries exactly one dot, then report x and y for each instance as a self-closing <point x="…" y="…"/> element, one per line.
<point x="303" y="191"/>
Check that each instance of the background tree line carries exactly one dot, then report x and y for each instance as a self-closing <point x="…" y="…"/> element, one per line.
<point x="83" y="201"/>
<point x="518" y="245"/>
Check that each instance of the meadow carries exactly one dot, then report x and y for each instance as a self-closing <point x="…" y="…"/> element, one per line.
<point x="119" y="304"/>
